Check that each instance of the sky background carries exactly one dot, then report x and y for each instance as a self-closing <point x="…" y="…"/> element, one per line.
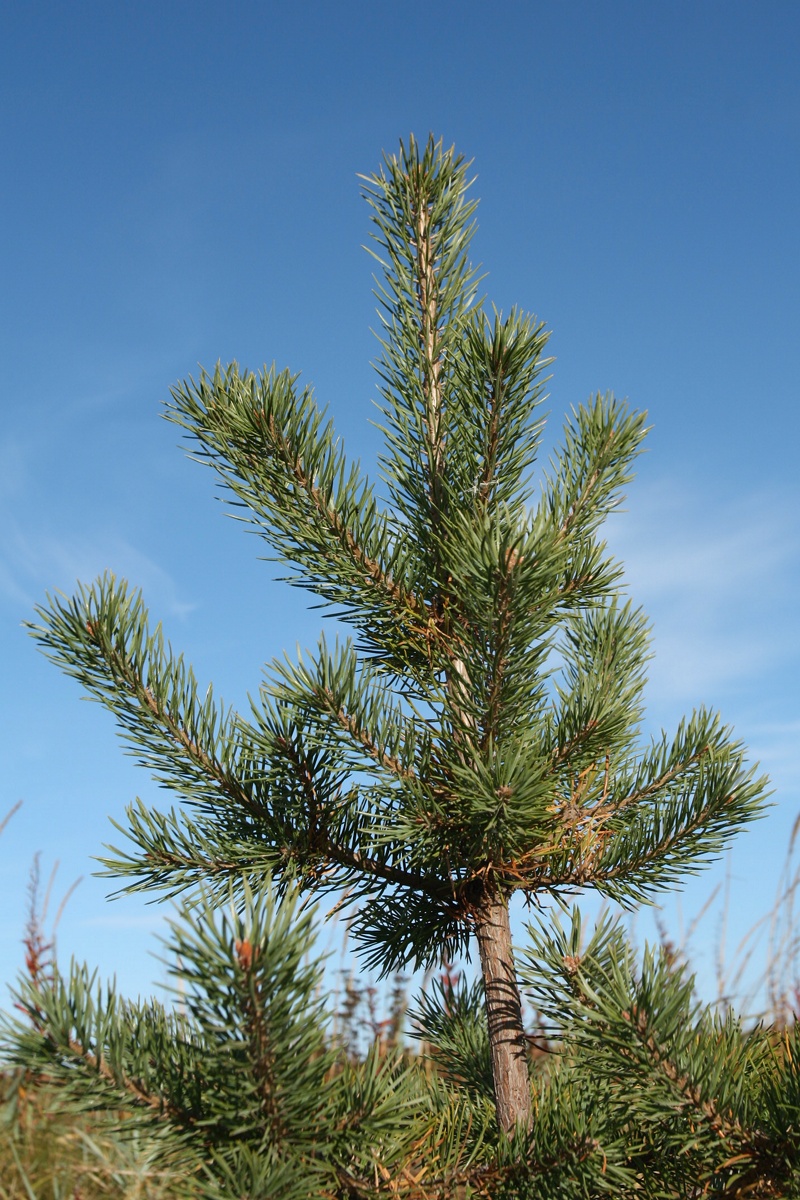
<point x="179" y="185"/>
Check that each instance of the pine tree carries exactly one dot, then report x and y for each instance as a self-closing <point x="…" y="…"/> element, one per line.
<point x="481" y="736"/>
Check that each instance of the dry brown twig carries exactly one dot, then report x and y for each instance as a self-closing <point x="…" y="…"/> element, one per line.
<point x="40" y="949"/>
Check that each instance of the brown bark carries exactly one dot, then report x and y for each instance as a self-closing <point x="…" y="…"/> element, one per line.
<point x="512" y="1088"/>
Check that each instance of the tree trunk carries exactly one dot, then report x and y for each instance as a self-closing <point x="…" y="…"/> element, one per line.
<point x="512" y="1088"/>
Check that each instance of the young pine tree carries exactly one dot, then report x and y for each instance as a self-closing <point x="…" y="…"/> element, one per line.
<point x="481" y="736"/>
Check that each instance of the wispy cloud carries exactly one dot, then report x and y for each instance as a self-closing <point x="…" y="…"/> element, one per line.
<point x="718" y="576"/>
<point x="33" y="561"/>
<point x="43" y="548"/>
<point x="777" y="745"/>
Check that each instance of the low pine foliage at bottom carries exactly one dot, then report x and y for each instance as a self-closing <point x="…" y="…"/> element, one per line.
<point x="244" y="1091"/>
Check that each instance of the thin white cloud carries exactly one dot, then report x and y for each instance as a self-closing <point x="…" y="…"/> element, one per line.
<point x="777" y="746"/>
<point x="32" y="562"/>
<point x="39" y="551"/>
<point x="718" y="577"/>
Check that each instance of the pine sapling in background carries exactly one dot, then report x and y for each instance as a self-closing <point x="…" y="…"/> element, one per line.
<point x="481" y="736"/>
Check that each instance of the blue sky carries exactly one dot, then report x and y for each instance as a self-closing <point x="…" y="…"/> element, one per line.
<point x="179" y="185"/>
